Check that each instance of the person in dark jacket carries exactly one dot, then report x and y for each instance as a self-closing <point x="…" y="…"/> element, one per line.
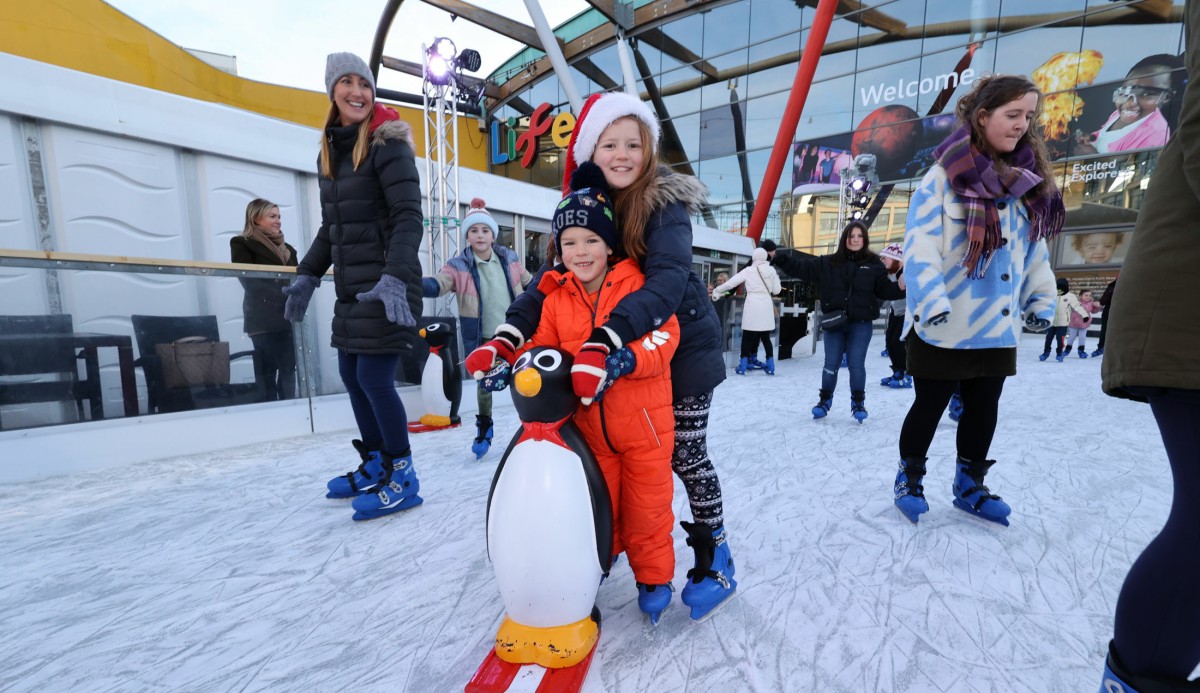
<point x="1106" y="300"/>
<point x="852" y="279"/>
<point x="262" y="243"/>
<point x="1152" y="356"/>
<point x="371" y="228"/>
<point x="620" y="133"/>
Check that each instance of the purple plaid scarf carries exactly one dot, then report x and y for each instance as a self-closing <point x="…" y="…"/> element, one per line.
<point x="973" y="176"/>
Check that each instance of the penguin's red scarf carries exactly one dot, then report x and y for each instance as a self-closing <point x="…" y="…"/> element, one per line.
<point x="533" y="430"/>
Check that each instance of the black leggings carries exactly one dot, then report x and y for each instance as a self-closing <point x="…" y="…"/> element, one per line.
<point x="1155" y="631"/>
<point x="980" y="397"/>
<point x="691" y="462"/>
<point x="750" y="340"/>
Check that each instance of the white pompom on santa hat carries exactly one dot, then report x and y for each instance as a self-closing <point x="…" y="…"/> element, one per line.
<point x="598" y="112"/>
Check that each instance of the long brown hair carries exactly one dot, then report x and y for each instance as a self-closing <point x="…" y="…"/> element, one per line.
<point x="631" y="206"/>
<point x="254" y="210"/>
<point x="361" y="143"/>
<point x="842" y="254"/>
<point x="992" y="92"/>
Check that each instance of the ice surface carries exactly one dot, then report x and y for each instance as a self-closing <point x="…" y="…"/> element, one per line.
<point x="230" y="571"/>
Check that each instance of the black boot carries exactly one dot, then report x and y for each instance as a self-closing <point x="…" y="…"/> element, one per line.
<point x="1118" y="680"/>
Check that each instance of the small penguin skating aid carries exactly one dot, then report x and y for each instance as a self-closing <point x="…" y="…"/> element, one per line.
<point x="441" y="385"/>
<point x="549" y="537"/>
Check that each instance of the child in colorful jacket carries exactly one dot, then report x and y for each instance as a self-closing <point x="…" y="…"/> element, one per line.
<point x="630" y="426"/>
<point x="1080" y="322"/>
<point x="1065" y="309"/>
<point x="485" y="277"/>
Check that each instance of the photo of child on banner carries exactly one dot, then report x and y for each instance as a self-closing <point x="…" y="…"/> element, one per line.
<point x="1139" y="112"/>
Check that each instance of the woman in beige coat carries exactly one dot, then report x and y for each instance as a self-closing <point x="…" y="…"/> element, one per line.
<point x="758" y="313"/>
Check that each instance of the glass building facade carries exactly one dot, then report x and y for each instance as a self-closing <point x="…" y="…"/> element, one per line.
<point x="719" y="75"/>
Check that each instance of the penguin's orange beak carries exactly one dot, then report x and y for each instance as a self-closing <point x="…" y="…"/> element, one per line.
<point x="422" y="333"/>
<point x="528" y="382"/>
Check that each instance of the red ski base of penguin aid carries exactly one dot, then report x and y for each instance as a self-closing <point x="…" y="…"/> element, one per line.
<point x="498" y="676"/>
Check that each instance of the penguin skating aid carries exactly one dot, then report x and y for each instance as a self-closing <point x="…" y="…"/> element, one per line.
<point x="549" y="537"/>
<point x="441" y="386"/>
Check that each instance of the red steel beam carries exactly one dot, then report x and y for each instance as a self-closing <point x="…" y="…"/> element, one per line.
<point x="791" y="115"/>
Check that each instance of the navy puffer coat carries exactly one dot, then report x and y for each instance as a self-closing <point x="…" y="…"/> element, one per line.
<point x="672" y="288"/>
<point x="371" y="224"/>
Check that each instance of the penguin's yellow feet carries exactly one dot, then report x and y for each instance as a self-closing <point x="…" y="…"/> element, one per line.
<point x="555" y="647"/>
<point x="436" y="421"/>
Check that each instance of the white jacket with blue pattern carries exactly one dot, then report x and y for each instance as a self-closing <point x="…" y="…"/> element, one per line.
<point x="983" y="313"/>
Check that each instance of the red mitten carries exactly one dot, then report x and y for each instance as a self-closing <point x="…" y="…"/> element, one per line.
<point x="588" y="372"/>
<point x="502" y="347"/>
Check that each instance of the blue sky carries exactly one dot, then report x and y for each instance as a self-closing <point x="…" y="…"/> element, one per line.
<point x="286" y="41"/>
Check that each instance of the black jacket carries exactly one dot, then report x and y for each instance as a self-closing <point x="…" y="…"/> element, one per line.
<point x="262" y="305"/>
<point x="870" y="277"/>
<point x="371" y="224"/>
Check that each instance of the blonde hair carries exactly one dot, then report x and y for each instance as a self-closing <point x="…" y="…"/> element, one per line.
<point x="361" y="143"/>
<point x="630" y="203"/>
<point x="257" y="207"/>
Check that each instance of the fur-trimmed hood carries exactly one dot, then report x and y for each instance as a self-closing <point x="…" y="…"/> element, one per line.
<point x="670" y="187"/>
<point x="393" y="130"/>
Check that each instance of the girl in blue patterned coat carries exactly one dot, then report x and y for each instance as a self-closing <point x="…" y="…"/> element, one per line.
<point x="977" y="267"/>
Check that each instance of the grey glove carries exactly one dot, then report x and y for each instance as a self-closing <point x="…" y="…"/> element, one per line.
<point x="394" y="295"/>
<point x="938" y="319"/>
<point x="299" y="293"/>
<point x="1036" y="324"/>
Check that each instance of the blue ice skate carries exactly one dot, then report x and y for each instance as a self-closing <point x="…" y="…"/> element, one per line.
<point x="956" y="407"/>
<point x="742" y="366"/>
<point x="483" y="436"/>
<point x="845" y="361"/>
<point x="1098" y="352"/>
<point x="653" y="600"/>
<point x="823" y="405"/>
<point x="1059" y="357"/>
<point x="769" y="366"/>
<point x="970" y="495"/>
<point x="399" y="493"/>
<point x="1044" y="356"/>
<point x="900" y="381"/>
<point x="884" y="353"/>
<point x="710" y="584"/>
<point x="1119" y="680"/>
<point x="910" y="494"/>
<point x="858" y="408"/>
<point x="755" y="365"/>
<point x="1082" y="354"/>
<point x="368" y="475"/>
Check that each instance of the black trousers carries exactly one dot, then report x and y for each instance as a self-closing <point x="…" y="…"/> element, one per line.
<point x="980" y="398"/>
<point x="1053" y="333"/>
<point x="275" y="357"/>
<point x="750" y="342"/>
<point x="1158" y="610"/>
<point x="897" y="352"/>
<point x="1103" y="327"/>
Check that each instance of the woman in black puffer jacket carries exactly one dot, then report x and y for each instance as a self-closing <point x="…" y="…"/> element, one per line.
<point x="371" y="228"/>
<point x="852" y="279"/>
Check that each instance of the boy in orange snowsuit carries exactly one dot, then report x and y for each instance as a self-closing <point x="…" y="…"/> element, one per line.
<point x="630" y="426"/>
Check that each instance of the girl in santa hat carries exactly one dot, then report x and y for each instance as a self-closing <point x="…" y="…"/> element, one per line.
<point x="619" y="133"/>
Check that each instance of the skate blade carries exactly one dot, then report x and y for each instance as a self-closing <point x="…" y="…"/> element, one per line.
<point x="406" y="504"/>
<point x="958" y="503"/>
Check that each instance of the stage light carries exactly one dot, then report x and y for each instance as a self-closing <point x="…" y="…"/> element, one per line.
<point x="469" y="60"/>
<point x="858" y="214"/>
<point x="444" y="48"/>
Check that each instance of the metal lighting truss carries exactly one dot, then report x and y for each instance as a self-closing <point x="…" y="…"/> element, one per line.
<point x="441" y="173"/>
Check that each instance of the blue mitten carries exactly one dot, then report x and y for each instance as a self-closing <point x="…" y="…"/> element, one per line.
<point x="394" y="295"/>
<point x="1036" y="324"/>
<point x="498" y="378"/>
<point x="620" y="362"/>
<point x="299" y="293"/>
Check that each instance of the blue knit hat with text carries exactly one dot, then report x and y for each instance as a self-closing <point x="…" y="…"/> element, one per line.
<point x="589" y="206"/>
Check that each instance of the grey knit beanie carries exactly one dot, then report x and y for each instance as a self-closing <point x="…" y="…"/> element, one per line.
<point x="339" y="64"/>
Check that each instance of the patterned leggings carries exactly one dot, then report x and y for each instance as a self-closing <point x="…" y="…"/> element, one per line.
<point x="691" y="462"/>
